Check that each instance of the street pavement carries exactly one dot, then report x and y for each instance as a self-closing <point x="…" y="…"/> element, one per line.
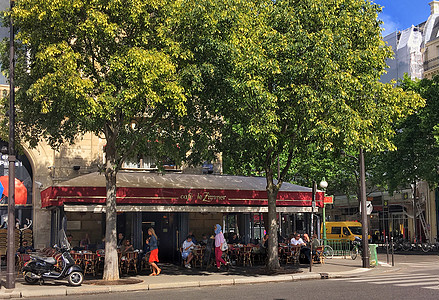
<point x="182" y="282"/>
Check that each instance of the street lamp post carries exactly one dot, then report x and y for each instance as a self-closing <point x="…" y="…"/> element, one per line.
<point x="324" y="185"/>
<point x="10" y="257"/>
<point x="313" y="206"/>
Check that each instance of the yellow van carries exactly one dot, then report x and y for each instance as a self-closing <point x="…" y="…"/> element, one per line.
<point x="346" y="230"/>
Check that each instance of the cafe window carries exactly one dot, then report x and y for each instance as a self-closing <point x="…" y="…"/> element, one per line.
<point x="336" y="230"/>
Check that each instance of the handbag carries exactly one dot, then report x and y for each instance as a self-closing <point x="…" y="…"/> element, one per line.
<point x="224" y="246"/>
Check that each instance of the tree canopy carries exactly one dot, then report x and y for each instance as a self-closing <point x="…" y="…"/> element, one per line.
<point x="417" y="149"/>
<point x="100" y="66"/>
<point x="307" y="73"/>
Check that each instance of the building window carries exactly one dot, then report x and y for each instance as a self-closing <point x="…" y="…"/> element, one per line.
<point x="141" y="162"/>
<point x="148" y="163"/>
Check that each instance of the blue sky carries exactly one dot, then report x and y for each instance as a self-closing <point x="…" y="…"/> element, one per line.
<point x="401" y="14"/>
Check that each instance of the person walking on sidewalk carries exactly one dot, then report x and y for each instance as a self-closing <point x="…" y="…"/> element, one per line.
<point x="219" y="241"/>
<point x="154" y="252"/>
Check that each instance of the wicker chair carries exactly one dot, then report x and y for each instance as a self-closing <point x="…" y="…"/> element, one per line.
<point x="90" y="262"/>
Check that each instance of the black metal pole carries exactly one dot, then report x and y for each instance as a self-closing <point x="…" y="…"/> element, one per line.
<point x="10" y="257"/>
<point x="365" y="235"/>
<point x="313" y="205"/>
<point x="415" y="227"/>
<point x="393" y="259"/>
<point x="387" y="248"/>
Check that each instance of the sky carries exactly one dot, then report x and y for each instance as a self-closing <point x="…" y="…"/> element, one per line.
<point x="401" y="14"/>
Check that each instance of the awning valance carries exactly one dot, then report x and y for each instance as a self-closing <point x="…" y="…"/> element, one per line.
<point x="141" y="188"/>
<point x="188" y="208"/>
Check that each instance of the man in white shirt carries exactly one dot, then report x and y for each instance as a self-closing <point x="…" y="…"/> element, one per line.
<point x="297" y="241"/>
<point x="186" y="253"/>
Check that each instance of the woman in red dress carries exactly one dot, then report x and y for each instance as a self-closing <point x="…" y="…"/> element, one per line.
<point x="154" y="255"/>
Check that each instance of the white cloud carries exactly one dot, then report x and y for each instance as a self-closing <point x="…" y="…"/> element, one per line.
<point x="388" y="25"/>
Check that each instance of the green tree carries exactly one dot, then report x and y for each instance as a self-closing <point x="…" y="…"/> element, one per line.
<point x="99" y="66"/>
<point x="306" y="73"/>
<point x="417" y="150"/>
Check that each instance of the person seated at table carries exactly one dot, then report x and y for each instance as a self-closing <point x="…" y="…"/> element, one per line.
<point x="298" y="242"/>
<point x="263" y="245"/>
<point x="186" y="253"/>
<point x="70" y="239"/>
<point x="120" y="240"/>
<point x="306" y="238"/>
<point x="126" y="247"/>
<point x="191" y="234"/>
<point x="204" y="240"/>
<point x="315" y="243"/>
<point x="234" y="239"/>
<point x="101" y="245"/>
<point x="85" y="242"/>
<point x="25" y="248"/>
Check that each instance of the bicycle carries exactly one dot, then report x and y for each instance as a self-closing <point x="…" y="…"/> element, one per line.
<point x="356" y="249"/>
<point x="328" y="252"/>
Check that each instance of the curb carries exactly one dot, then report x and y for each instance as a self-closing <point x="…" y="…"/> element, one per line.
<point x="172" y="285"/>
<point x="87" y="290"/>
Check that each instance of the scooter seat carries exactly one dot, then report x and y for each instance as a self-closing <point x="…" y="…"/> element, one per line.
<point x="49" y="260"/>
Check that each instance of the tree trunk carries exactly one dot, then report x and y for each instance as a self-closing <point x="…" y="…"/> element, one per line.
<point x="111" y="267"/>
<point x="273" y="254"/>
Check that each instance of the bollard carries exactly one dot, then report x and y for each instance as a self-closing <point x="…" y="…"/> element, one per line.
<point x="393" y="259"/>
<point x="387" y="248"/>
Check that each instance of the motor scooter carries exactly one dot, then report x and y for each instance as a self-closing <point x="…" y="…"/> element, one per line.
<point x="37" y="269"/>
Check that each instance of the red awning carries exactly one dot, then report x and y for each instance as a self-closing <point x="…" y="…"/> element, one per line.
<point x="141" y="188"/>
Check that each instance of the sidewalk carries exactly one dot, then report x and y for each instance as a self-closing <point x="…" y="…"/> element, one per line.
<point x="176" y="277"/>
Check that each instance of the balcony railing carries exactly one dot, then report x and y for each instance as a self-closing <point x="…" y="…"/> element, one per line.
<point x="426" y="64"/>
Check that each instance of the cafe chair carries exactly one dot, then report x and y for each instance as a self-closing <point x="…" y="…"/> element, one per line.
<point x="100" y="260"/>
<point x="318" y="256"/>
<point x="246" y="256"/>
<point x="131" y="261"/>
<point x="292" y="255"/>
<point x="90" y="262"/>
<point x="77" y="257"/>
<point x="21" y="260"/>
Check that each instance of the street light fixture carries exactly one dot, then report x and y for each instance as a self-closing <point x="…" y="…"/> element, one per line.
<point x="324" y="185"/>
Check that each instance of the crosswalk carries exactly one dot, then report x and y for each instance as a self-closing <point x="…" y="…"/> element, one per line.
<point x="420" y="265"/>
<point x="421" y="280"/>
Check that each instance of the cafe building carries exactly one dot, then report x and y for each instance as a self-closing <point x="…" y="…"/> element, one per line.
<point x="173" y="204"/>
